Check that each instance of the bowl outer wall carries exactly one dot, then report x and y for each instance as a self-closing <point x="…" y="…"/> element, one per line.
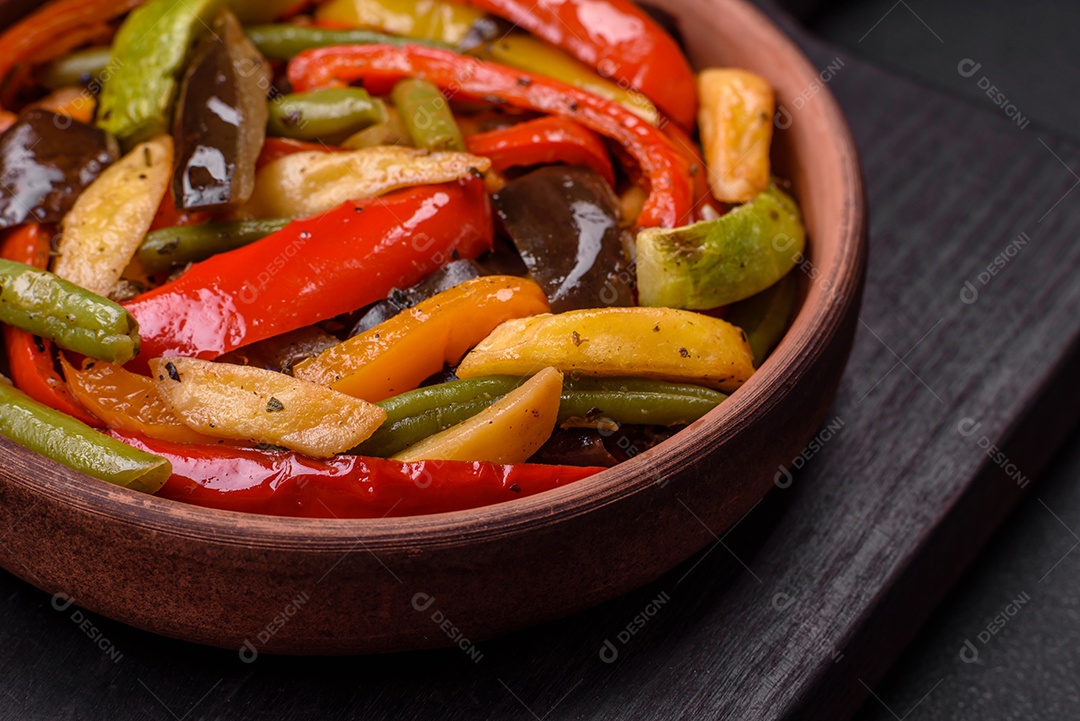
<point x="299" y="586"/>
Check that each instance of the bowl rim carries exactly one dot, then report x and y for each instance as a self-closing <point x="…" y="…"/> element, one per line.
<point x="819" y="316"/>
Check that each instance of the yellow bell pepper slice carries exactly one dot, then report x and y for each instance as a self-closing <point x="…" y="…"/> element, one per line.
<point x="245" y="403"/>
<point x="659" y="343"/>
<point x="446" y="22"/>
<point x="509" y="431"/>
<point x="736" y="119"/>
<point x="397" y="355"/>
<point x="527" y="53"/>
<point x="127" y="401"/>
<point x="102" y="231"/>
<point x="312" y="182"/>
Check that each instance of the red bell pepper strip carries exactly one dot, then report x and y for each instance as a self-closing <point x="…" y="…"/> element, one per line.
<point x="53" y="30"/>
<point x="699" y="171"/>
<point x="618" y="39"/>
<point x="29" y="357"/>
<point x="667" y="173"/>
<point x="312" y="270"/>
<point x="542" y="142"/>
<point x="275" y="148"/>
<point x="169" y="216"/>
<point x="290" y="484"/>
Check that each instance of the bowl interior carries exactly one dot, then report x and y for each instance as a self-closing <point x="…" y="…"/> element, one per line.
<point x="812" y="148"/>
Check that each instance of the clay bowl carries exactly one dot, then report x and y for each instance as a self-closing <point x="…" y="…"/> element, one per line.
<point x="275" y="585"/>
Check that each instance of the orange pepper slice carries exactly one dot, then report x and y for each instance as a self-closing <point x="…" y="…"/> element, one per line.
<point x="396" y="356"/>
<point x="128" y="402"/>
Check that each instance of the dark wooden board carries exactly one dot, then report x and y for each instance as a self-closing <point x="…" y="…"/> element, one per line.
<point x="810" y="598"/>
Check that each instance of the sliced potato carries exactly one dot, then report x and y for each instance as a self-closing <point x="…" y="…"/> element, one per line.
<point x="244" y="403"/>
<point x="736" y="119"/>
<point x="102" y="231"/>
<point x="309" y="183"/>
<point x="659" y="343"/>
<point x="509" y="431"/>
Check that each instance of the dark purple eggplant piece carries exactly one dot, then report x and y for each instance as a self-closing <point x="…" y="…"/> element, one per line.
<point x="450" y="275"/>
<point x="630" y="441"/>
<point x="574" y="447"/>
<point x="46" y="161"/>
<point x="503" y="259"/>
<point x="220" y="120"/>
<point x="565" y="224"/>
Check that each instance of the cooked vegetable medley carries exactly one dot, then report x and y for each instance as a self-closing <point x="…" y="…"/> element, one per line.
<point x="370" y="258"/>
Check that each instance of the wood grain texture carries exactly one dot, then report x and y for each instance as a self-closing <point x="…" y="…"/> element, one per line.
<point x="851" y="545"/>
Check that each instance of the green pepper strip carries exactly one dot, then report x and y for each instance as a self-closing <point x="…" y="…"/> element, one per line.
<point x="60" y="437"/>
<point x="148" y="54"/>
<point x="167" y="248"/>
<point x="325" y="113"/>
<point x="78" y="68"/>
<point x="764" y="317"/>
<point x="49" y="306"/>
<point x="413" y="416"/>
<point x="283" y="42"/>
<point x="427" y="115"/>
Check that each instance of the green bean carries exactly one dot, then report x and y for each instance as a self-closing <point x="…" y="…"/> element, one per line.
<point x="633" y="401"/>
<point x="53" y="308"/>
<point x="426" y="114"/>
<point x="391" y="132"/>
<point x="284" y="42"/>
<point x="81" y="67"/>
<point x="76" y="445"/>
<point x="170" y="247"/>
<point x="445" y="394"/>
<point x="325" y="113"/>
<point x="413" y="416"/>
<point x="764" y="317"/>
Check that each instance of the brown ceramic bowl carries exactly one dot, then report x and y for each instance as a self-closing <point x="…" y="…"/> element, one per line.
<point x="334" y="587"/>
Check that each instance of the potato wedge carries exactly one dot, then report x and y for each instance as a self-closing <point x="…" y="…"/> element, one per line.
<point x="659" y="343"/>
<point x="509" y="431"/>
<point x="309" y="183"/>
<point x="736" y="119"/>
<point x="102" y="231"/>
<point x="244" y="403"/>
